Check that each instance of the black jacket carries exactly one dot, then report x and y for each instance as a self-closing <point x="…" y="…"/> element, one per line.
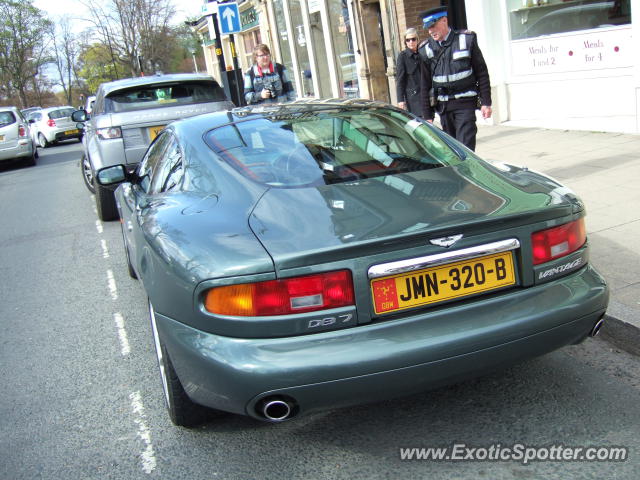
<point x="458" y="71"/>
<point x="408" y="72"/>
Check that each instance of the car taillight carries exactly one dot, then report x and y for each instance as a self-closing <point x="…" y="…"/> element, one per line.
<point x="283" y="297"/>
<point x="22" y="131"/>
<point x="558" y="241"/>
<point x="51" y="122"/>
<point x="111" y="132"/>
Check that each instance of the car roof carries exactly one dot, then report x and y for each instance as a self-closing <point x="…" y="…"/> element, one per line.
<point x="109" y="87"/>
<point x="50" y="109"/>
<point x="209" y="121"/>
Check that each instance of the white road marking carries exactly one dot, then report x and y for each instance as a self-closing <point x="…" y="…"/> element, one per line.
<point x="105" y="250"/>
<point x="125" y="349"/>
<point x="99" y="226"/>
<point x="112" y="285"/>
<point x="147" y="456"/>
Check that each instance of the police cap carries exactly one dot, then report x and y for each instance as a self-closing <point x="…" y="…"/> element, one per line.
<point x="430" y="16"/>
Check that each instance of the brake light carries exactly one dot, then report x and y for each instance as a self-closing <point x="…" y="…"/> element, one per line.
<point x="51" y="122"/>
<point x="283" y="297"/>
<point x="22" y="131"/>
<point x="558" y="241"/>
<point x="108" y="133"/>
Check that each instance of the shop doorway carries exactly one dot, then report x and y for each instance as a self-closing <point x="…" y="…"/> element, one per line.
<point x="374" y="45"/>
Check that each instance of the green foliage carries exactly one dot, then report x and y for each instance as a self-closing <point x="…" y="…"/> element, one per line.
<point x="22" y="45"/>
<point x="96" y="66"/>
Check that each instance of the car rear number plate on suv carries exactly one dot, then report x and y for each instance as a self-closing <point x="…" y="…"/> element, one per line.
<point x="443" y="282"/>
<point x="154" y="131"/>
<point x="71" y="132"/>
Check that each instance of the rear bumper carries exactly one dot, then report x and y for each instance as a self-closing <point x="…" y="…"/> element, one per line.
<point x="66" y="136"/>
<point x="388" y="359"/>
<point x="24" y="148"/>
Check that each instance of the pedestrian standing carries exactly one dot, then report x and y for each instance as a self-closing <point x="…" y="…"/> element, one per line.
<point x="408" y="74"/>
<point x="267" y="81"/>
<point x="455" y="78"/>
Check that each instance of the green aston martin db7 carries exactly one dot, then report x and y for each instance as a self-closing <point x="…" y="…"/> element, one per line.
<point x="320" y="254"/>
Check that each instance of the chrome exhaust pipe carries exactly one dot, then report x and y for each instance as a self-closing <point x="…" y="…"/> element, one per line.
<point x="276" y="409"/>
<point x="596" y="328"/>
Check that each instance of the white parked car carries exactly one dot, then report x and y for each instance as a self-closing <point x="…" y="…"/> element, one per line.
<point x="51" y="125"/>
<point x="15" y="140"/>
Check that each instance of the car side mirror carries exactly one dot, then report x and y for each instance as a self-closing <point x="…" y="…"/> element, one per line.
<point x="112" y="175"/>
<point x="79" y="116"/>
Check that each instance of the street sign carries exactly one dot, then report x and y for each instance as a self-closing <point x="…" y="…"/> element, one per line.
<point x="229" y="18"/>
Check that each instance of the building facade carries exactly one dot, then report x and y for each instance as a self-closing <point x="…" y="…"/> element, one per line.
<point x="553" y="63"/>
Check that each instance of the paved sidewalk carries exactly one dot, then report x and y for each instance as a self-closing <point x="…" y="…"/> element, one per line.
<point x="604" y="170"/>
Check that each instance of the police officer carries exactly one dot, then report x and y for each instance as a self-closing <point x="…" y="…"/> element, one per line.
<point x="408" y="74"/>
<point x="454" y="79"/>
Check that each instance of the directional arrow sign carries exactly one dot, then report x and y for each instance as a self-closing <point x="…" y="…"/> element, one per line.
<point x="228" y="18"/>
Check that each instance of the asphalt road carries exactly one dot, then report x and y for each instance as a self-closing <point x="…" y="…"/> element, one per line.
<point x="82" y="399"/>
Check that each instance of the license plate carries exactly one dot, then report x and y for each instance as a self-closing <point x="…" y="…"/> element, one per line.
<point x="71" y="132"/>
<point x="154" y="131"/>
<point x="444" y="282"/>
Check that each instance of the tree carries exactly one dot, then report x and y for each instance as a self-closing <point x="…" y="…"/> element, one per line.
<point x="130" y="29"/>
<point x="22" y="45"/>
<point x="96" y="67"/>
<point x="65" y="55"/>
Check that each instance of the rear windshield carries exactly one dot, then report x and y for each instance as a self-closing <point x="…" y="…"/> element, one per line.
<point x="163" y="95"/>
<point x="7" y="118"/>
<point x="329" y="147"/>
<point x="61" y="113"/>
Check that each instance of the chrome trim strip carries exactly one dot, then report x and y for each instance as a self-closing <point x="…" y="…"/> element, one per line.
<point x="410" y="265"/>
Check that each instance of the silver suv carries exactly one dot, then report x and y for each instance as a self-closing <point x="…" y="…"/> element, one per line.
<point x="128" y="114"/>
<point x="15" y="140"/>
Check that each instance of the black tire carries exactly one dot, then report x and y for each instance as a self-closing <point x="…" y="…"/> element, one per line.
<point x="87" y="173"/>
<point x="42" y="140"/>
<point x="106" y="203"/>
<point x="182" y="411"/>
<point x="132" y="271"/>
<point x="31" y="161"/>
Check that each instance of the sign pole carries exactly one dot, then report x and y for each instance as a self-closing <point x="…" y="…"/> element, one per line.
<point x="220" y="56"/>
<point x="236" y="68"/>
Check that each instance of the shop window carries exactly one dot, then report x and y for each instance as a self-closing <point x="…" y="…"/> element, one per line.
<point x="282" y="37"/>
<point x="534" y="18"/>
<point x="343" y="46"/>
<point x="250" y="40"/>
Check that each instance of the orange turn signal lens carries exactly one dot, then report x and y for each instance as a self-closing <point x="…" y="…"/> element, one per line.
<point x="283" y="297"/>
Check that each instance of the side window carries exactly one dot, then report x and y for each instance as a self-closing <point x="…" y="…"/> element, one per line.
<point x="168" y="174"/>
<point x="151" y="160"/>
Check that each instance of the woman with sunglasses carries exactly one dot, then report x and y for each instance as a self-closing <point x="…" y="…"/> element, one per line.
<point x="408" y="74"/>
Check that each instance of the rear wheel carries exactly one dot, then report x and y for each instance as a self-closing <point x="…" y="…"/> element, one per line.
<point x="42" y="140"/>
<point x="182" y="411"/>
<point x="31" y="161"/>
<point x="105" y="203"/>
<point x="132" y="271"/>
<point x="87" y="173"/>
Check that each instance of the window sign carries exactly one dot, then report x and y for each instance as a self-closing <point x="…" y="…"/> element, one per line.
<point x="314" y="6"/>
<point x="587" y="50"/>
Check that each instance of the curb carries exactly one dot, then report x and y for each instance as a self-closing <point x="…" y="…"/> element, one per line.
<point x="622" y="334"/>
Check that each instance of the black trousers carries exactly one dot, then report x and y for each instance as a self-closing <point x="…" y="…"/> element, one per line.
<point x="461" y="125"/>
